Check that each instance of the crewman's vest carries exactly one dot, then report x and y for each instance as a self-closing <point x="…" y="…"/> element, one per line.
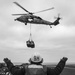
<point x="36" y="70"/>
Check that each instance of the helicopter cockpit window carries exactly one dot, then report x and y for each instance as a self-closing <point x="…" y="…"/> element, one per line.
<point x="39" y="18"/>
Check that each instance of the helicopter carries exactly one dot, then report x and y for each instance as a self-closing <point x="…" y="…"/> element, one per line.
<point x="33" y="19"/>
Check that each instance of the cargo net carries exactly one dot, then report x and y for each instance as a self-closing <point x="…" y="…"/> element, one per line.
<point x="30" y="43"/>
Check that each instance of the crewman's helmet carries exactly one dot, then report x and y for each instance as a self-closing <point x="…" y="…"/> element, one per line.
<point x="36" y="59"/>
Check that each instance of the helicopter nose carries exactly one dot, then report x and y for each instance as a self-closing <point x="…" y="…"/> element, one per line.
<point x="15" y="19"/>
<point x="18" y="19"/>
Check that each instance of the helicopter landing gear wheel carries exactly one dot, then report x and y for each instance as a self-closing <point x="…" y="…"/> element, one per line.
<point x="50" y="26"/>
<point x="25" y="23"/>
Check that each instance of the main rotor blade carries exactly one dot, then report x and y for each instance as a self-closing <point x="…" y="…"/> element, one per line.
<point x="18" y="14"/>
<point x="44" y="10"/>
<point x="21" y="7"/>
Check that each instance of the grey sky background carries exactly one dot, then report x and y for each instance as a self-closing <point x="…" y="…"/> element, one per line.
<point x="51" y="44"/>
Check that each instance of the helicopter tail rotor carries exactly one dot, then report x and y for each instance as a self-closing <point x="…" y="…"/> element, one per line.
<point x="56" y="22"/>
<point x="58" y="17"/>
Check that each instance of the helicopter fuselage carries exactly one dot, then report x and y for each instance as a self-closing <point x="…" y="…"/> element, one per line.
<point x="32" y="19"/>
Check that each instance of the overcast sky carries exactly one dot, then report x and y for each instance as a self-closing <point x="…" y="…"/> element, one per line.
<point x="51" y="43"/>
